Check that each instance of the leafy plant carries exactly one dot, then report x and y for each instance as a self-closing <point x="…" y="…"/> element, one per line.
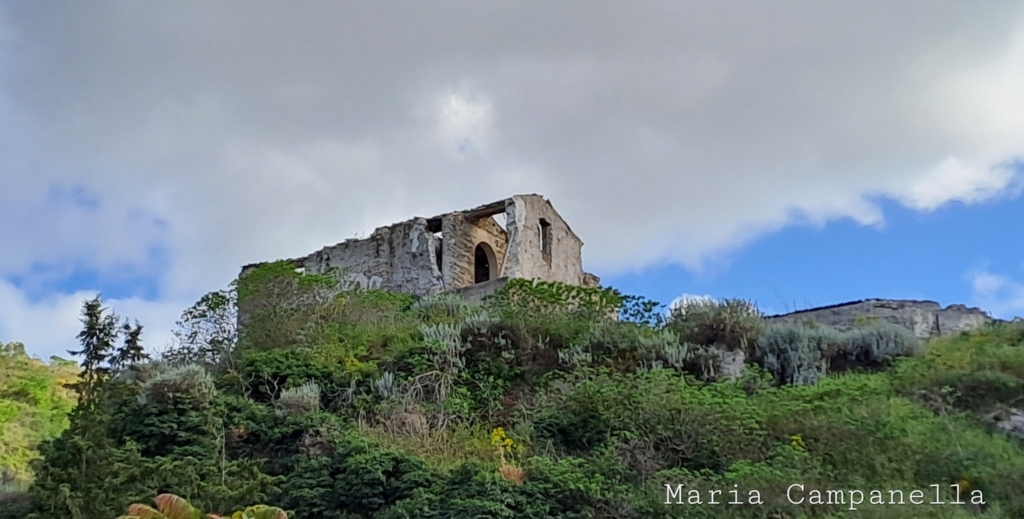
<point x="731" y="324"/>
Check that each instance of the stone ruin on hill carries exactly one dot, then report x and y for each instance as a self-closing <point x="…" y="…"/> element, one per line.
<point x="925" y="318"/>
<point x="472" y="252"/>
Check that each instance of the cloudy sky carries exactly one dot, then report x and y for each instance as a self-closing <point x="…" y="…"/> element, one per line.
<point x="793" y="153"/>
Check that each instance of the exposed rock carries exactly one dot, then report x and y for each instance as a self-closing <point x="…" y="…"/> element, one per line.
<point x="924" y="318"/>
<point x="731" y="365"/>
<point x="1014" y="424"/>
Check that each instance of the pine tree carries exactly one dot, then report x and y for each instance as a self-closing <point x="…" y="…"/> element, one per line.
<point x="98" y="336"/>
<point x="131" y="350"/>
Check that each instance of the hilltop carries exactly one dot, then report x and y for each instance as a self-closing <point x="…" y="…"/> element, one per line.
<point x="341" y="402"/>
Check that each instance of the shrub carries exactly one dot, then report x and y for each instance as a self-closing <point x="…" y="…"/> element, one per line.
<point x="263" y="375"/>
<point x="521" y="297"/>
<point x="280" y="307"/>
<point x="444" y="346"/>
<point x="732" y="324"/>
<point x="478" y="322"/>
<point x="14" y="505"/>
<point x="359" y="479"/>
<point x="982" y="390"/>
<point x="190" y="380"/>
<point x="299" y="401"/>
<point x="878" y="343"/>
<point x="569" y="488"/>
<point x="443" y="307"/>
<point x="794" y="353"/>
<point x="574" y="357"/>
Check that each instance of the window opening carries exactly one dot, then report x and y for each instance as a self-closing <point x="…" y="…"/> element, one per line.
<point x="482" y="263"/>
<point x="545" y="239"/>
<point x="439" y="250"/>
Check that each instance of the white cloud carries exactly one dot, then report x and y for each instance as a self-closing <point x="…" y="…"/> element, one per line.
<point x="1001" y="295"/>
<point x="953" y="181"/>
<point x="231" y="133"/>
<point x="464" y="122"/>
<point x="686" y="299"/>
<point x="48" y="327"/>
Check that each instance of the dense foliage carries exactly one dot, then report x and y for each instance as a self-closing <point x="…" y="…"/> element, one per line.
<point x="34" y="405"/>
<point x="337" y="403"/>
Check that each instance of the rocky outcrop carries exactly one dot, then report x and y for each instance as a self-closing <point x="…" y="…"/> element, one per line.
<point x="924" y="318"/>
<point x="1013" y="424"/>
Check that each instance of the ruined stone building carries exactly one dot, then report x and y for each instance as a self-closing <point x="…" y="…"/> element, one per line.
<point x="472" y="252"/>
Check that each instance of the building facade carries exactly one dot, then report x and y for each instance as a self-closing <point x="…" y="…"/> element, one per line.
<point x="472" y="252"/>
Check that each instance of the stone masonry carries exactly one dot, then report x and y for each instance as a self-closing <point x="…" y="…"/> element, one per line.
<point x="468" y="251"/>
<point x="925" y="318"/>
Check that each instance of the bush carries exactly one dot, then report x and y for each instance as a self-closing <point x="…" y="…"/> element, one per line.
<point x="526" y="297"/>
<point x="794" y="353"/>
<point x="569" y="488"/>
<point x="263" y="375"/>
<point x="299" y="401"/>
<point x="443" y="308"/>
<point x="982" y="390"/>
<point x="731" y="324"/>
<point x="878" y="343"/>
<point x="14" y="505"/>
<point x="192" y="381"/>
<point x="359" y="478"/>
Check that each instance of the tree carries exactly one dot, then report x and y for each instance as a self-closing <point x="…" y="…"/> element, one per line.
<point x="131" y="351"/>
<point x="98" y="336"/>
<point x="208" y="330"/>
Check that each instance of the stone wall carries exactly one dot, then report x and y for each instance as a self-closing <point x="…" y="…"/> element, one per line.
<point x="461" y="236"/>
<point x="525" y="259"/>
<point x="400" y="258"/>
<point x="425" y="256"/>
<point x="924" y="318"/>
<point x="476" y="293"/>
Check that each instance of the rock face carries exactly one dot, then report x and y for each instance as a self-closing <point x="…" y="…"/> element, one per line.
<point x="924" y="318"/>
<point x="1014" y="424"/>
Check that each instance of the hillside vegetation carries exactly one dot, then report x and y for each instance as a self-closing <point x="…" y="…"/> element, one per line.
<point x="34" y="405"/>
<point x="334" y="402"/>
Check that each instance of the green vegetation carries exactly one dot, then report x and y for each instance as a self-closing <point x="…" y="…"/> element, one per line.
<point x="34" y="405"/>
<point x="339" y="403"/>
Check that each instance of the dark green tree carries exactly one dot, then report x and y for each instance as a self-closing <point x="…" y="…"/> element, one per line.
<point x="131" y="351"/>
<point x="98" y="337"/>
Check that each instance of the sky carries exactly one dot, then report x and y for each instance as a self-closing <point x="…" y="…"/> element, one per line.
<point x="794" y="153"/>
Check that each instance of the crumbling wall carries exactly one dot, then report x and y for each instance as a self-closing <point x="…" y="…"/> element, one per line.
<point x="398" y="258"/>
<point x="525" y="258"/>
<point x="924" y="318"/>
<point x="427" y="256"/>
<point x="461" y="236"/>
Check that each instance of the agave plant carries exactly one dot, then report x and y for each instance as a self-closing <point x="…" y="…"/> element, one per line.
<point x="170" y="506"/>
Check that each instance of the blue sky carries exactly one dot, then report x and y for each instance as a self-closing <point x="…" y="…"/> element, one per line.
<point x="933" y="255"/>
<point x="792" y="153"/>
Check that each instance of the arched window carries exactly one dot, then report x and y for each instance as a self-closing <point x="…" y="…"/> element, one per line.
<point x="545" y="239"/>
<point x="483" y="263"/>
